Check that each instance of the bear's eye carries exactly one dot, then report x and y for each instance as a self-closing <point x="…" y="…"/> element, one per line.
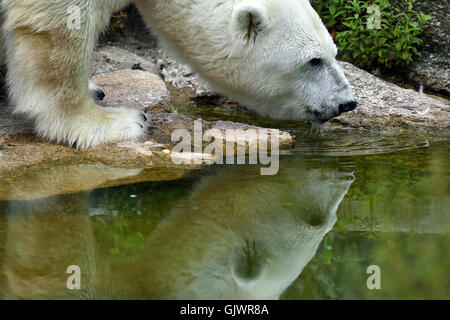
<point x="315" y="62"/>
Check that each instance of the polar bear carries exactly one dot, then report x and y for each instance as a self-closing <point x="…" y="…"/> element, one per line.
<point x="275" y="57"/>
<point x="235" y="235"/>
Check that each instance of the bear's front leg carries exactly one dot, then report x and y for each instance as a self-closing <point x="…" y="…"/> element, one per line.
<point x="48" y="70"/>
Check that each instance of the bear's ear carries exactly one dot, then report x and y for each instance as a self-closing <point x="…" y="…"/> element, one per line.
<point x="249" y="19"/>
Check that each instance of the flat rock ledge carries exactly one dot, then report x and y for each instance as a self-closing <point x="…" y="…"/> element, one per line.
<point x="46" y="169"/>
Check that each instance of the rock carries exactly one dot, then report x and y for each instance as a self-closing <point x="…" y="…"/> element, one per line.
<point x="192" y="157"/>
<point x="180" y="76"/>
<point x="10" y="125"/>
<point x="112" y="58"/>
<point x="132" y="88"/>
<point x="432" y="69"/>
<point x="164" y="124"/>
<point x="26" y="160"/>
<point x="384" y="105"/>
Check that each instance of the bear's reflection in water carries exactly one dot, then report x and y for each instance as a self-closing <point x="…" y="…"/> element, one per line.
<point x="238" y="235"/>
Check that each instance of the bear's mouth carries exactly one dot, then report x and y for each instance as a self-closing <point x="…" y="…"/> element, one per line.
<point x="322" y="116"/>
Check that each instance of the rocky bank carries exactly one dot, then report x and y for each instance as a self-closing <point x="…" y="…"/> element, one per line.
<point x="144" y="77"/>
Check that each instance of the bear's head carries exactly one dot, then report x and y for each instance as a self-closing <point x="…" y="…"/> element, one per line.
<point x="287" y="62"/>
<point x="273" y="56"/>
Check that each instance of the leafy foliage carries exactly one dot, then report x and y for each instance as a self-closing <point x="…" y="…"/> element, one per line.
<point x="394" y="43"/>
<point x="119" y="23"/>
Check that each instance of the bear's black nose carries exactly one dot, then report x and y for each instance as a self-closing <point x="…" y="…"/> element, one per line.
<point x="346" y="107"/>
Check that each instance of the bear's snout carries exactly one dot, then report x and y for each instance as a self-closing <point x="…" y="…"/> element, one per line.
<point x="346" y="107"/>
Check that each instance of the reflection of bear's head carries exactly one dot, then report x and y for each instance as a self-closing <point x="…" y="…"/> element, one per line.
<point x="244" y="236"/>
<point x="238" y="235"/>
<point x="275" y="57"/>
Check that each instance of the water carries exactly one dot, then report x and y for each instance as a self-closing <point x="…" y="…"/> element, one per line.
<point x="344" y="199"/>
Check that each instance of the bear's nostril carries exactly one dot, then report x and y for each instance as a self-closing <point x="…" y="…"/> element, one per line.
<point x="347" y="107"/>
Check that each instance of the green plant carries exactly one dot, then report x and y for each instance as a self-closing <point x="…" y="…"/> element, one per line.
<point x="394" y="43"/>
<point x="119" y="23"/>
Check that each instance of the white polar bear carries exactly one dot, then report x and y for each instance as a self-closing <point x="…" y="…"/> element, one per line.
<point x="273" y="56"/>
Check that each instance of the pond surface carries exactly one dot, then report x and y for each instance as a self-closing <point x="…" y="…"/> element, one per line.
<point x="343" y="200"/>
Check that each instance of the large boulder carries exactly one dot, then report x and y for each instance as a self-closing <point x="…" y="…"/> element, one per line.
<point x="385" y="105"/>
<point x="432" y="69"/>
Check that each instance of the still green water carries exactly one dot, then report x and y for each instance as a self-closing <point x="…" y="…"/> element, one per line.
<point x="343" y="200"/>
